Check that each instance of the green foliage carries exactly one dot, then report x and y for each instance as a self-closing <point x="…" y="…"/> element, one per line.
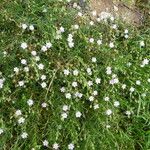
<point x="95" y="129"/>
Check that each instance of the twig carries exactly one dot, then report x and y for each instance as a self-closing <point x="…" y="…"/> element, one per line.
<point x="49" y="87"/>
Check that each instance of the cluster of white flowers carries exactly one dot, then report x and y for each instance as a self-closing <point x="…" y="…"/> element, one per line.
<point x="81" y="85"/>
<point x="105" y="15"/>
<point x="47" y="46"/>
<point x="25" y="26"/>
<point x="126" y="33"/>
<point x="70" y="41"/>
<point x="56" y="146"/>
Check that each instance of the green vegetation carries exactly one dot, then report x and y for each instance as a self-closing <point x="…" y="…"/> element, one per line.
<point x="69" y="82"/>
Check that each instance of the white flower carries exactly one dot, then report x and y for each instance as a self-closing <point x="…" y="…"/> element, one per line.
<point x="58" y="35"/>
<point x="89" y="71"/>
<point x="78" y="7"/>
<point x="1" y="131"/>
<point x="138" y="82"/>
<point x="33" y="53"/>
<point x="91" y="40"/>
<point x="76" y="26"/>
<point x="70" y="38"/>
<point x="99" y="42"/>
<point x="43" y="77"/>
<point x="24" y="26"/>
<point x="94" y="59"/>
<point x="116" y="103"/>
<point x="126" y="31"/>
<point x="75" y="72"/>
<point x="62" y="29"/>
<point x="44" y="48"/>
<point x="108" y="112"/>
<point x="148" y="80"/>
<point x="114" y="26"/>
<point x="24" y="135"/>
<point x="41" y="66"/>
<point x="143" y="94"/>
<point x="106" y="99"/>
<point x="16" y="69"/>
<point x="64" y="115"/>
<point x="126" y="36"/>
<point x="48" y="45"/>
<point x="65" y="108"/>
<point x="45" y="143"/>
<point x="91" y="98"/>
<point x="62" y="89"/>
<point x="30" y="102"/>
<point x="37" y="58"/>
<point x="74" y="84"/>
<point x="90" y="83"/>
<point x="114" y="81"/>
<point x="98" y="19"/>
<point x="31" y="27"/>
<point x="91" y="23"/>
<point x="145" y="62"/>
<point x="26" y="69"/>
<point x="66" y="72"/>
<point x="24" y="45"/>
<point x="43" y="84"/>
<point x="68" y="95"/>
<point x="23" y="61"/>
<point x="18" y="112"/>
<point x="108" y="126"/>
<point x="75" y="5"/>
<point x="21" y="83"/>
<point x="128" y="113"/>
<point x="96" y="106"/>
<point x="129" y="64"/>
<point x="108" y="70"/>
<point x="71" y="44"/>
<point x="79" y="14"/>
<point x="55" y="146"/>
<point x="78" y="114"/>
<point x="94" y="13"/>
<point x="142" y="44"/>
<point x="79" y="95"/>
<point x="44" y="105"/>
<point x="132" y="89"/>
<point x="1" y="83"/>
<point x="95" y="93"/>
<point x="111" y="45"/>
<point x="98" y="80"/>
<point x="71" y="146"/>
<point x="112" y="18"/>
<point x="21" y="120"/>
<point x="124" y="86"/>
<point x="114" y="76"/>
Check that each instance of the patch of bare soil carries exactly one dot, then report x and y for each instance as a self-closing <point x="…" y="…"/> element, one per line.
<point x="129" y="14"/>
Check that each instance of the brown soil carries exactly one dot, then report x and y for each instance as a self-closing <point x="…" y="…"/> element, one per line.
<point x="128" y="13"/>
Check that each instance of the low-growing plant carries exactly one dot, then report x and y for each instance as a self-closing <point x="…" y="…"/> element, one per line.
<point x="71" y="82"/>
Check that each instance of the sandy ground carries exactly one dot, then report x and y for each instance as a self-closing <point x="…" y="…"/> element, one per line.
<point x="129" y="13"/>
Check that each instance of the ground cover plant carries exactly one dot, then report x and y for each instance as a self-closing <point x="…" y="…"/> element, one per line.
<point x="72" y="81"/>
